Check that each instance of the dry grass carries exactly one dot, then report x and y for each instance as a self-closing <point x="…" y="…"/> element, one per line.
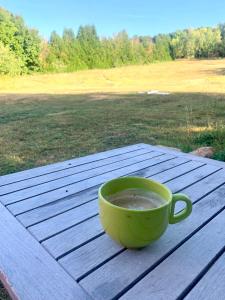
<point x="55" y="117"/>
<point x="203" y="76"/>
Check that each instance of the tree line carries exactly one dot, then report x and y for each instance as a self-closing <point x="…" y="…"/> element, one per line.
<point x="22" y="50"/>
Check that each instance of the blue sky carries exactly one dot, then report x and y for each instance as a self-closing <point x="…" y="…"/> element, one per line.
<point x="141" y="17"/>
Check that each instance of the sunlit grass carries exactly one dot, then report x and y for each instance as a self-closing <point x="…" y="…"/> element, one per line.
<point x="176" y="76"/>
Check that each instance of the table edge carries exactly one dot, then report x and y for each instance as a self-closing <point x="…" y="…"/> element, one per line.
<point x="206" y="160"/>
<point x="39" y="256"/>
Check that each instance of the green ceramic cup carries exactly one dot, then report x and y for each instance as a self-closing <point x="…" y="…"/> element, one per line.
<point x="138" y="228"/>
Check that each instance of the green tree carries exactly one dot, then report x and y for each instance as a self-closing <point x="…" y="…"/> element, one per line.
<point x="9" y="63"/>
<point x="221" y="47"/>
<point x="122" y="48"/>
<point x="139" y="53"/>
<point x="68" y="35"/>
<point x="72" y="51"/>
<point x="200" y="42"/>
<point x="85" y="50"/>
<point x="162" y="51"/>
<point x="54" y="58"/>
<point x="148" y="45"/>
<point x="24" y="42"/>
<point x="178" y="44"/>
<point x="90" y="46"/>
<point x="207" y="41"/>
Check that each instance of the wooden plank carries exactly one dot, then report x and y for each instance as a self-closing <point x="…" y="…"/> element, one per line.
<point x="60" y="222"/>
<point x="6" y="189"/>
<point x="167" y="165"/>
<point x="177" y="171"/>
<point x="203" y="187"/>
<point x="53" y="208"/>
<point x="181" y="268"/>
<point x="41" y="234"/>
<point x="207" y="184"/>
<point x="211" y="286"/>
<point x="124" y="269"/>
<point x="62" y="182"/>
<point x="191" y="177"/>
<point x="74" y="237"/>
<point x="66" y="191"/>
<point x="63" y="243"/>
<point x="27" y="270"/>
<point x="86" y="258"/>
<point x="23" y="175"/>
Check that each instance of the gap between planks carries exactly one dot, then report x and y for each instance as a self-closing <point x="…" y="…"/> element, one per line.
<point x="143" y="275"/>
<point x="94" y="197"/>
<point x="46" y="178"/>
<point x="195" y="201"/>
<point x="32" y="192"/>
<point x="172" y="250"/>
<point x="64" y="164"/>
<point x="47" y="236"/>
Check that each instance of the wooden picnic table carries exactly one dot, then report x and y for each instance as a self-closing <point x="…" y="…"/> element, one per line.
<point x="53" y="246"/>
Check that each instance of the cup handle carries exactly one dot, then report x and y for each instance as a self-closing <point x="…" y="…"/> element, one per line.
<point x="175" y="218"/>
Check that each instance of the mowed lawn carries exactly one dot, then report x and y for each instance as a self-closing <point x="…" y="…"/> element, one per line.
<point x="49" y="118"/>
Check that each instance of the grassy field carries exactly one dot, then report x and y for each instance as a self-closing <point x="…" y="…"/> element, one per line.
<point x="204" y="76"/>
<point x="48" y="118"/>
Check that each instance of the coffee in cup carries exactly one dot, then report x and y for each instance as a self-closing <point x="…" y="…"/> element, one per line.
<point x="137" y="199"/>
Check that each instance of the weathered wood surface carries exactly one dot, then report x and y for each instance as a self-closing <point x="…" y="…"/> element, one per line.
<point x="33" y="191"/>
<point x="211" y="286"/>
<point x="174" y="275"/>
<point x="27" y="270"/>
<point x="63" y="204"/>
<point x="57" y="210"/>
<point x="202" y="211"/>
<point x="36" y="181"/>
<point x="56" y="245"/>
<point x="40" y="171"/>
<point x="35" y="197"/>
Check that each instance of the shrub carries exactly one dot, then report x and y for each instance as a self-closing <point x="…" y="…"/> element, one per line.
<point x="9" y="63"/>
<point x="220" y="155"/>
<point x="206" y="138"/>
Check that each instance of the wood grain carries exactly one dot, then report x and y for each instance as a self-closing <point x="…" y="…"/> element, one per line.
<point x="53" y="208"/>
<point x="178" y="271"/>
<point x="56" y="207"/>
<point x="86" y="258"/>
<point x="56" y="224"/>
<point x="68" y="219"/>
<point x="177" y="171"/>
<point x="57" y="203"/>
<point x="50" y="244"/>
<point x="211" y="286"/>
<point x="39" y="171"/>
<point x="191" y="177"/>
<point x="70" y="180"/>
<point x="64" y="192"/>
<point x="207" y="184"/>
<point x="6" y="189"/>
<point x="27" y="270"/>
<point x="125" y="268"/>
<point x="72" y="238"/>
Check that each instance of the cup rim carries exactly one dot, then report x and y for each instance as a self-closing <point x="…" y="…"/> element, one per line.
<point x="135" y="210"/>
